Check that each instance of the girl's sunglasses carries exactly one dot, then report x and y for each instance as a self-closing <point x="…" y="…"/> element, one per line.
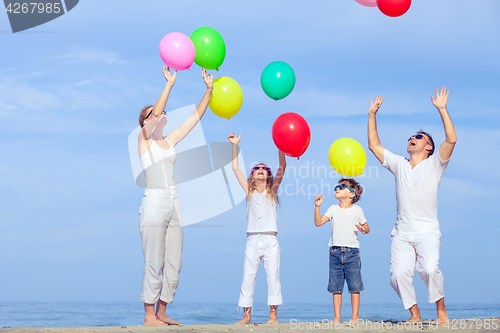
<point x="255" y="168"/>
<point x="343" y="186"/>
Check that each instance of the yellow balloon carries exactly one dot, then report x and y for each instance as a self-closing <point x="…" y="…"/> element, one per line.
<point x="347" y="157"/>
<point x="226" y="98"/>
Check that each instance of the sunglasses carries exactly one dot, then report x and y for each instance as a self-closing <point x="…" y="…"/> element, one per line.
<point x="255" y="168"/>
<point x="418" y="137"/>
<point x="343" y="186"/>
<point x="165" y="113"/>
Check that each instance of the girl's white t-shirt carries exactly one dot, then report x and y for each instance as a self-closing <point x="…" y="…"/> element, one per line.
<point x="261" y="213"/>
<point x="344" y="220"/>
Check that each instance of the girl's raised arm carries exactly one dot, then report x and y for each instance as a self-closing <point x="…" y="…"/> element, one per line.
<point x="280" y="173"/>
<point x="239" y="175"/>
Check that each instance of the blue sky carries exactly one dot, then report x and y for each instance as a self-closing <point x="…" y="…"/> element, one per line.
<point x="71" y="91"/>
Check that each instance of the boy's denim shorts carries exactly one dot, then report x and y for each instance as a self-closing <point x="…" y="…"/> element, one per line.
<point x="345" y="264"/>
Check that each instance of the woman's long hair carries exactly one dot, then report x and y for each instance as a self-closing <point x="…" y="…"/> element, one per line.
<point x="269" y="185"/>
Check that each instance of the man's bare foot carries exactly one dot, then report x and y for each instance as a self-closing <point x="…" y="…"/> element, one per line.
<point x="167" y="320"/>
<point x="336" y="320"/>
<point x="414" y="319"/>
<point x="153" y="322"/>
<point x="442" y="318"/>
<point x="273" y="321"/>
<point x="245" y="320"/>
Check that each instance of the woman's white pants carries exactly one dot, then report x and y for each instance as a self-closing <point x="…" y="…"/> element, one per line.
<point x="261" y="246"/>
<point x="419" y="252"/>
<point x="160" y="226"/>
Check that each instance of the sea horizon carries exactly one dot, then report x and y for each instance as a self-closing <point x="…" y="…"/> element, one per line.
<point x="102" y="313"/>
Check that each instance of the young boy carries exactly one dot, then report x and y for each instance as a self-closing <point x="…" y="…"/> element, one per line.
<point x="345" y="263"/>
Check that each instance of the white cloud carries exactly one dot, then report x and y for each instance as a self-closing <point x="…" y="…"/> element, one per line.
<point x="91" y="55"/>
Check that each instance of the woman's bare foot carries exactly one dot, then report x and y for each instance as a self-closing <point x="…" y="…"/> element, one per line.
<point x="153" y="322"/>
<point x="167" y="320"/>
<point x="336" y="320"/>
<point x="273" y="321"/>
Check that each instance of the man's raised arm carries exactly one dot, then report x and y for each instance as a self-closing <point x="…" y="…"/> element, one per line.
<point x="373" y="139"/>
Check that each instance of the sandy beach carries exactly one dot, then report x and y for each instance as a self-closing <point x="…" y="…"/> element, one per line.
<point x="457" y="325"/>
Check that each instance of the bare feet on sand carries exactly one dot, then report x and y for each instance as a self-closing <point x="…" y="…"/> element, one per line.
<point x="153" y="322"/>
<point x="414" y="319"/>
<point x="245" y="320"/>
<point x="273" y="315"/>
<point x="167" y="320"/>
<point x="247" y="316"/>
<point x="353" y="321"/>
<point x="442" y="318"/>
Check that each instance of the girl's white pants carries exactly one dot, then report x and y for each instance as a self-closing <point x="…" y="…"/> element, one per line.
<point x="160" y="226"/>
<point x="419" y="252"/>
<point x="261" y="246"/>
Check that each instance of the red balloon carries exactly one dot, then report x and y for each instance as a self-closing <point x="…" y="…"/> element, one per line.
<point x="393" y="8"/>
<point x="291" y="134"/>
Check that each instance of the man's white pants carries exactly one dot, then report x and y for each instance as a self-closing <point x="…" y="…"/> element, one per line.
<point x="419" y="252"/>
<point x="261" y="246"/>
<point x="160" y="226"/>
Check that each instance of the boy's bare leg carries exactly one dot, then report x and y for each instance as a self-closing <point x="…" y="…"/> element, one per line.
<point x="150" y="319"/>
<point x="247" y="316"/>
<point x="415" y="315"/>
<point x="355" y="308"/>
<point x="273" y="316"/>
<point x="337" y="303"/>
<point x="161" y="308"/>
<point x="442" y="315"/>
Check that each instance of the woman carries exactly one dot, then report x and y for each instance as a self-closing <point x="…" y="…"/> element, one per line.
<point x="160" y="220"/>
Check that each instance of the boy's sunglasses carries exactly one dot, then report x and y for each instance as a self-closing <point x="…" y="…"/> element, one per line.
<point x="255" y="168"/>
<point x="418" y="137"/>
<point x="343" y="186"/>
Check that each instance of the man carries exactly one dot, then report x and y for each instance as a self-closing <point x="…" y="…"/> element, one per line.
<point x="416" y="235"/>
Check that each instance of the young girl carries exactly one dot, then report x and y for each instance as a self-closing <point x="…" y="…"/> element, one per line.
<point x="262" y="197"/>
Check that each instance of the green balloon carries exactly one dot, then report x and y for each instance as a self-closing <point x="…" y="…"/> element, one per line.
<point x="210" y="48"/>
<point x="277" y="80"/>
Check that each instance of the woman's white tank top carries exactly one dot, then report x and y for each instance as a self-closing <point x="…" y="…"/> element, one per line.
<point x="261" y="213"/>
<point x="158" y="165"/>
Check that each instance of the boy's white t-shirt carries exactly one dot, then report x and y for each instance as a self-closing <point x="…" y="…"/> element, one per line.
<point x="344" y="220"/>
<point x="416" y="192"/>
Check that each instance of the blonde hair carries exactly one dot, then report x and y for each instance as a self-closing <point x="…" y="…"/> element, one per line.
<point x="269" y="185"/>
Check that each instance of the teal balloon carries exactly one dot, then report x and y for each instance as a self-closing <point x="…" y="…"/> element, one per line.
<point x="210" y="48"/>
<point x="277" y="80"/>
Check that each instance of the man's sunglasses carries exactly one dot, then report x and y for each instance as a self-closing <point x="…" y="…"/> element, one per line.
<point x="255" y="168"/>
<point x="343" y="186"/>
<point x="418" y="137"/>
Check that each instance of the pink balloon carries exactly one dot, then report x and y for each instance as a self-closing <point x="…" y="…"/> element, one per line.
<point x="367" y="3"/>
<point x="177" y="51"/>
